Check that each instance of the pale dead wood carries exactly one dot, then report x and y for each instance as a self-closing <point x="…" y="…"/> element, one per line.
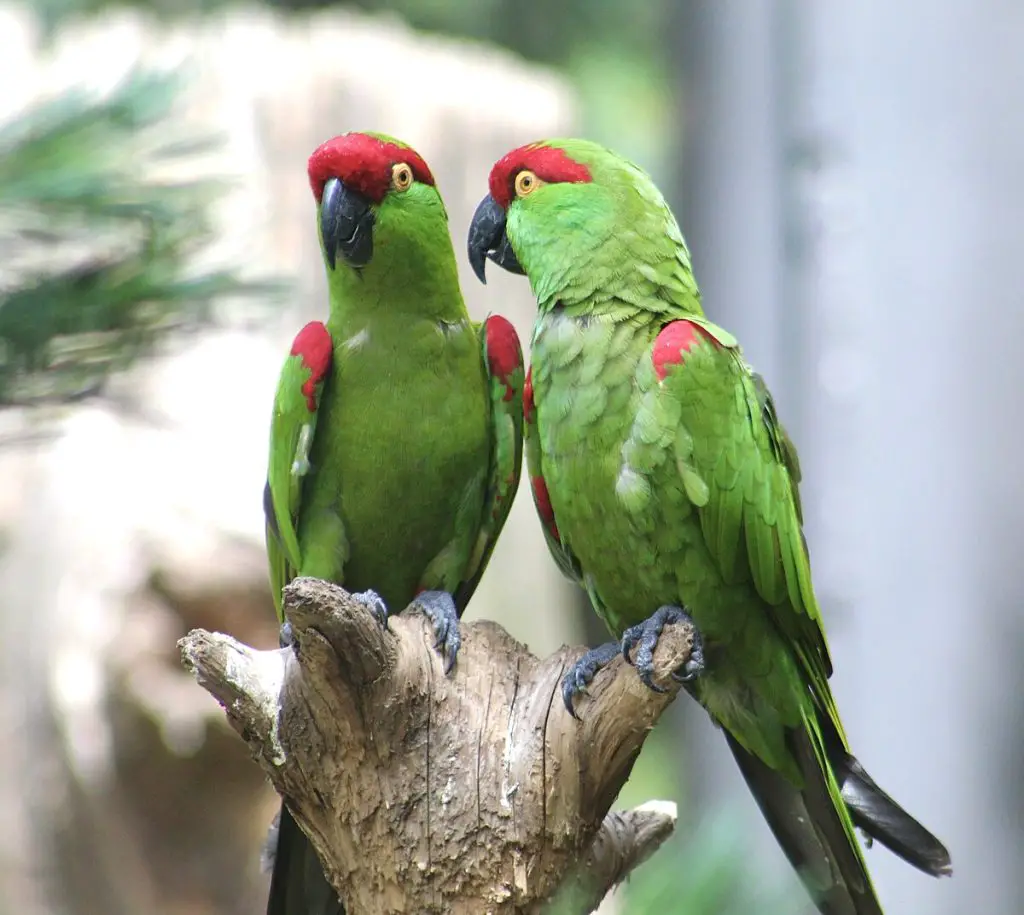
<point x="473" y="793"/>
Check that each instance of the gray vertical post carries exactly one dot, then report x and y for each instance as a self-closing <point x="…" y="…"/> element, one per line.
<point x="935" y="131"/>
<point x="890" y="327"/>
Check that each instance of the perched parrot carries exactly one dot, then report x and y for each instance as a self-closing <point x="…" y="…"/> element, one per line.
<point x="396" y="436"/>
<point x="664" y="481"/>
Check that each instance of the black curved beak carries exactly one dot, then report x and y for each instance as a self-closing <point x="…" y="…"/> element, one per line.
<point x="487" y="239"/>
<point x="346" y="224"/>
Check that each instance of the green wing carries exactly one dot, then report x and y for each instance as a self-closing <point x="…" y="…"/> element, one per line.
<point x="292" y="427"/>
<point x="740" y="469"/>
<point x="781" y="442"/>
<point x="503" y="364"/>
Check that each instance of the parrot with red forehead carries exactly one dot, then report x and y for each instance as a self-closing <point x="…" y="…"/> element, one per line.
<point x="396" y="435"/>
<point x="668" y="489"/>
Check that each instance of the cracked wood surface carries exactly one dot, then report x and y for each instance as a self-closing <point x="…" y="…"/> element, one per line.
<point x="471" y="793"/>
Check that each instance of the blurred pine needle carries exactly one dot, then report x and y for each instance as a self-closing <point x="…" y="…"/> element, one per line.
<point x="99" y="253"/>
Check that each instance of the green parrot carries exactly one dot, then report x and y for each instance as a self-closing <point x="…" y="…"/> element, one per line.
<point x="396" y="436"/>
<point x="665" y="483"/>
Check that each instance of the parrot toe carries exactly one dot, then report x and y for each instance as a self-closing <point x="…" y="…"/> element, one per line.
<point x="375" y="604"/>
<point x="439" y="606"/>
<point x="644" y="637"/>
<point x="583" y="671"/>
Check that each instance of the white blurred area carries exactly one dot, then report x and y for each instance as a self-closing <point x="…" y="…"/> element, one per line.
<point x="124" y="532"/>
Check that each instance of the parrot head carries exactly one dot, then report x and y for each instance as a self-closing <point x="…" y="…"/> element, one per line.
<point x="367" y="185"/>
<point x="556" y="206"/>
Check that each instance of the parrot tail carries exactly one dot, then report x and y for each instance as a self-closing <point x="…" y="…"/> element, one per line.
<point x="880" y="817"/>
<point x="812" y="826"/>
<point x="298" y="885"/>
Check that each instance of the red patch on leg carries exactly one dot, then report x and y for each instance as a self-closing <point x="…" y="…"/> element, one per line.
<point x="673" y="342"/>
<point x="542" y="499"/>
<point x="314" y="347"/>
<point x="504" y="354"/>
<point x="528" y="397"/>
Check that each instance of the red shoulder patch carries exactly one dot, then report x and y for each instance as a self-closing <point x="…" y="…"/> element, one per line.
<point x="673" y="342"/>
<point x="363" y="162"/>
<point x="528" y="397"/>
<point x="542" y="499"/>
<point x="549" y="163"/>
<point x="504" y="354"/>
<point x="313" y="345"/>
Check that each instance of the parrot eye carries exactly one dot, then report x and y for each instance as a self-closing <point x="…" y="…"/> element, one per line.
<point x="526" y="183"/>
<point x="401" y="176"/>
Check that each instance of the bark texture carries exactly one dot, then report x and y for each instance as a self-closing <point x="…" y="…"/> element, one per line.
<point x="475" y="792"/>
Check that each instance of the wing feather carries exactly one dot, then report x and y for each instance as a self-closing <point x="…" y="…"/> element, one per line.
<point x="292" y="428"/>
<point x="752" y="519"/>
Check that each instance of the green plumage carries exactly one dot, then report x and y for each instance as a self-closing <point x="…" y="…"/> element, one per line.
<point x="671" y="482"/>
<point x="395" y="470"/>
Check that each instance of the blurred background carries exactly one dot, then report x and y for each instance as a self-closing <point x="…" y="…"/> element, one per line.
<point x="848" y="177"/>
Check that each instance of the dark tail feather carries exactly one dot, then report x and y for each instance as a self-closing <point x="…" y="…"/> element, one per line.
<point x="883" y="819"/>
<point x="298" y="885"/>
<point x="810" y="831"/>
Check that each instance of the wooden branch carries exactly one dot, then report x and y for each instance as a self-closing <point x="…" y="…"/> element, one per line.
<point x="471" y="793"/>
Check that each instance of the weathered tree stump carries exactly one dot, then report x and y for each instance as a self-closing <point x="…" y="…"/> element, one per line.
<point x="471" y="793"/>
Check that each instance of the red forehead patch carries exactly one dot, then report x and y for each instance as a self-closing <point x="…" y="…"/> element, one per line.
<point x="549" y="163"/>
<point x="364" y="163"/>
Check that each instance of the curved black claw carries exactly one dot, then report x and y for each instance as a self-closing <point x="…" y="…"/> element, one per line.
<point x="375" y="604"/>
<point x="286" y="637"/>
<point x="578" y="677"/>
<point x="644" y="637"/>
<point x="439" y="606"/>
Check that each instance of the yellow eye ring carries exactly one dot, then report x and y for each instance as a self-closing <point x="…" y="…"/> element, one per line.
<point x="401" y="176"/>
<point x="526" y="183"/>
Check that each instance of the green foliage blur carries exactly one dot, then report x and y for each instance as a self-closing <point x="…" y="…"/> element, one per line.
<point x="98" y="266"/>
